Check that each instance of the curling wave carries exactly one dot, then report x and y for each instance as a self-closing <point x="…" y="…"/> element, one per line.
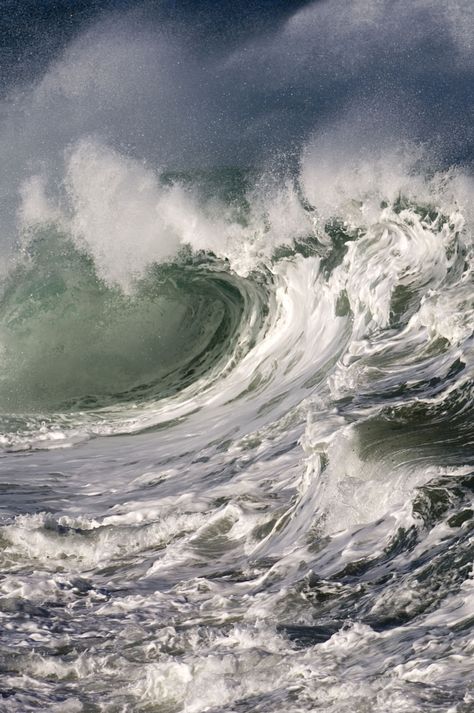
<point x="267" y="299"/>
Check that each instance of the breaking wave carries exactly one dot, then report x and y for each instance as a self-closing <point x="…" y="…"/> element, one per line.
<point x="236" y="404"/>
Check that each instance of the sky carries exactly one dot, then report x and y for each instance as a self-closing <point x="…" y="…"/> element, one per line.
<point x="195" y="82"/>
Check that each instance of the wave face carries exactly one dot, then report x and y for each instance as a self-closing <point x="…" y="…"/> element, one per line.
<point x="236" y="403"/>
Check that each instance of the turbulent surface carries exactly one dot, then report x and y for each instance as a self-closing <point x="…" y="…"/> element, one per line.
<point x="289" y="527"/>
<point x="237" y="358"/>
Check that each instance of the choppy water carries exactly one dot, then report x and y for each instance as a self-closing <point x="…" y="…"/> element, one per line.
<point x="237" y="463"/>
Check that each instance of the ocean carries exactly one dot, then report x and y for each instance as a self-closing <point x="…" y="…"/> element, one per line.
<point x="237" y="358"/>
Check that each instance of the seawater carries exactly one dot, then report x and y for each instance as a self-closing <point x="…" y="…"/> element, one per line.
<point x="236" y="408"/>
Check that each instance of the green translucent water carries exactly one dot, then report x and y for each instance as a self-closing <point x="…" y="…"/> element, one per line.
<point x="68" y="340"/>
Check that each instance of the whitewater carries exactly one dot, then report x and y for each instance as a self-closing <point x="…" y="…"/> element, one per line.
<point x="236" y="401"/>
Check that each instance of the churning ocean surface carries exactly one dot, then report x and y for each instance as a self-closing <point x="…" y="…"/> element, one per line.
<point x="236" y="356"/>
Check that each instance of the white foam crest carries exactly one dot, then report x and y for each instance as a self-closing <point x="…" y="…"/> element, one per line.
<point x="350" y="179"/>
<point x="119" y="211"/>
<point x="36" y="586"/>
<point x="81" y="667"/>
<point x="425" y="260"/>
<point x="63" y="543"/>
<point x="351" y="491"/>
<point x="391" y="254"/>
<point x="351" y="169"/>
<point x="216" y="677"/>
<point x="450" y="314"/>
<point x="346" y="673"/>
